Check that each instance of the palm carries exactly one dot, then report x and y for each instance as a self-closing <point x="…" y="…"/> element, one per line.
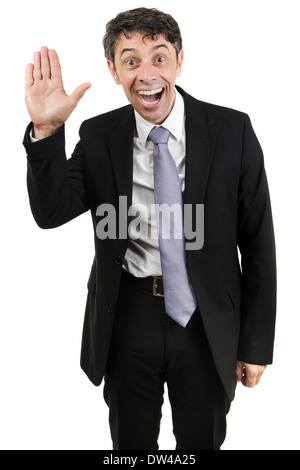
<point x="47" y="102"/>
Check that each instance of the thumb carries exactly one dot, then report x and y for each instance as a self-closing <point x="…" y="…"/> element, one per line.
<point x="79" y="93"/>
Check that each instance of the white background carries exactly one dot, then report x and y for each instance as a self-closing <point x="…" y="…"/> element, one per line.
<point x="238" y="53"/>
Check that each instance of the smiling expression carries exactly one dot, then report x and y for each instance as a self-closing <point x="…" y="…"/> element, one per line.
<point x="147" y="70"/>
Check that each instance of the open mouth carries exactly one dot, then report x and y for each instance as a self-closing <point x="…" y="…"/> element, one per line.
<point x="150" y="97"/>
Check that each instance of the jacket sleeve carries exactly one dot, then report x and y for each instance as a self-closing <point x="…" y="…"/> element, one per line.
<point x="257" y="248"/>
<point x="56" y="186"/>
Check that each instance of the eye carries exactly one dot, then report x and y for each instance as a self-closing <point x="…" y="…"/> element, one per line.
<point x="160" y="59"/>
<point x="131" y="62"/>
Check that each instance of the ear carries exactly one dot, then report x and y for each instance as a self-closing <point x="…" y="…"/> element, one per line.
<point x="179" y="63"/>
<point x="113" y="72"/>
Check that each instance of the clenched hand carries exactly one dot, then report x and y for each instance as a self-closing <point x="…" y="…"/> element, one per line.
<point x="47" y="102"/>
<point x="248" y="374"/>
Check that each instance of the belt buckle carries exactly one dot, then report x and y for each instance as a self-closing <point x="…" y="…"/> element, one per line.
<point x="157" y="286"/>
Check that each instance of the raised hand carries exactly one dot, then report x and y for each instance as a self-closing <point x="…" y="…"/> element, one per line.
<point x="47" y="102"/>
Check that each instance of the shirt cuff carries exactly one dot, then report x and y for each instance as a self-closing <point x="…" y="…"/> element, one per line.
<point x="32" y="139"/>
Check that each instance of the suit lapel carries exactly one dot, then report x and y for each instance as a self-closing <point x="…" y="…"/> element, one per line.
<point x="200" y="144"/>
<point x="120" y="141"/>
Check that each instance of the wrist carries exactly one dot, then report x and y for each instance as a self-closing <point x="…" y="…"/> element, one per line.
<point x="42" y="132"/>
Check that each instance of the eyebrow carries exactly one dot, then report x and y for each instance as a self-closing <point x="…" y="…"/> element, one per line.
<point x="154" y="48"/>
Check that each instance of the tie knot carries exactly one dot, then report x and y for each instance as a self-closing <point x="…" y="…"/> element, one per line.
<point x="159" y="135"/>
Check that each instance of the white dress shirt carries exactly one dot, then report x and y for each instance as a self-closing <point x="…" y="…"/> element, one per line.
<point x="142" y="256"/>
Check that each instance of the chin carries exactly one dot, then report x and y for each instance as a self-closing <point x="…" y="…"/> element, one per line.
<point x="152" y="115"/>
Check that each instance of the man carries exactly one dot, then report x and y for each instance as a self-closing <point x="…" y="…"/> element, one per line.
<point x="209" y="322"/>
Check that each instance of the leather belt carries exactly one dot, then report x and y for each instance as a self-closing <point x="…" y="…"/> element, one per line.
<point x="153" y="284"/>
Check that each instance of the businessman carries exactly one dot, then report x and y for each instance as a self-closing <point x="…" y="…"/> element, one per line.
<point x="168" y="303"/>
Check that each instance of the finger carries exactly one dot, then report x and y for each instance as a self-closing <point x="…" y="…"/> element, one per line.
<point x="37" y="74"/>
<point x="249" y="382"/>
<point x="251" y="378"/>
<point x="45" y="66"/>
<point x="55" y="68"/>
<point x="79" y="93"/>
<point x="239" y="371"/>
<point x="29" y="76"/>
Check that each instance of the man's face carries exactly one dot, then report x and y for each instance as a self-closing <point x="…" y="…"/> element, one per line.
<point x="147" y="70"/>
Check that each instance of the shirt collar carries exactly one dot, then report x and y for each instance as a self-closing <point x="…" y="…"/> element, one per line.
<point x="174" y="122"/>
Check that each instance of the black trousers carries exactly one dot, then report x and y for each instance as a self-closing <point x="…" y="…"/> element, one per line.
<point x="149" y="349"/>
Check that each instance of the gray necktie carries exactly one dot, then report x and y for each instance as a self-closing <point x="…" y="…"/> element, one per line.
<point x="179" y="299"/>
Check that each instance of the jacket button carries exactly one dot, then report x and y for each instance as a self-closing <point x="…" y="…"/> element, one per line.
<point x="109" y="308"/>
<point x="119" y="260"/>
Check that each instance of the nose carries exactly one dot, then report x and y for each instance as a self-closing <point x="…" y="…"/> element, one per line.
<point x="146" y="73"/>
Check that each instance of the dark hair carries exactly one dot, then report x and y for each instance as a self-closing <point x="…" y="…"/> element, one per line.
<point x="148" y="20"/>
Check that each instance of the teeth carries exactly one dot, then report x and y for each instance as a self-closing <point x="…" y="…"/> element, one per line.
<point x="148" y="93"/>
<point x="152" y="92"/>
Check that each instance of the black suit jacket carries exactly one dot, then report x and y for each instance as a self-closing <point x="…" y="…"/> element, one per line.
<point x="225" y="172"/>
